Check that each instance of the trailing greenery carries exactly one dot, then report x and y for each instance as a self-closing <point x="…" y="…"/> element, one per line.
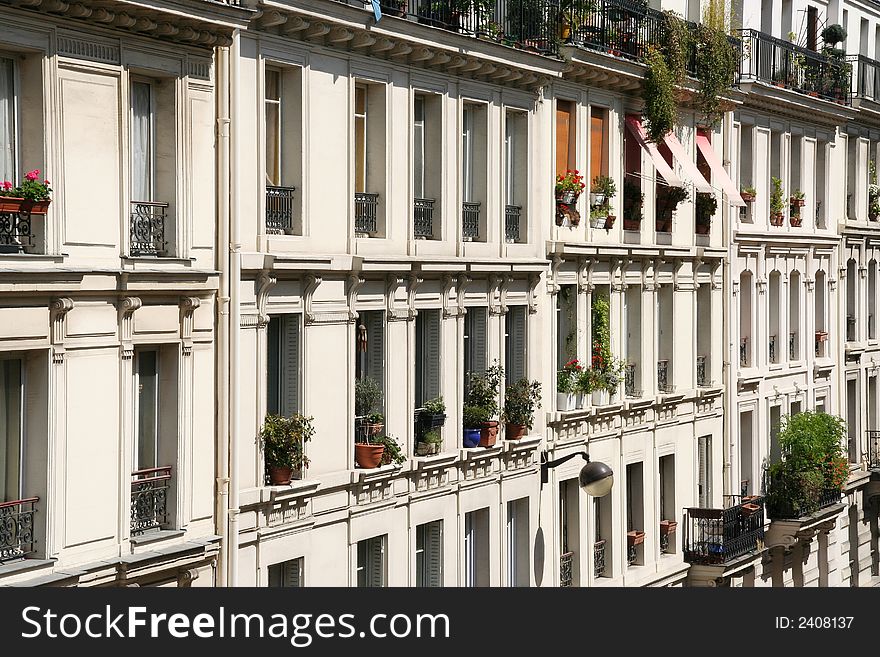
<point x="392" y="453"/>
<point x="658" y="92"/>
<point x="520" y="401"/>
<point x="606" y="371"/>
<point x="481" y="396"/>
<point x="283" y="439"/>
<point x="716" y="60"/>
<point x="813" y="463"/>
<point x="434" y="406"/>
<point x="676" y="46"/>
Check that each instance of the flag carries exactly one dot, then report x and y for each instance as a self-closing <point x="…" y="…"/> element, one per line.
<point x="377" y="10"/>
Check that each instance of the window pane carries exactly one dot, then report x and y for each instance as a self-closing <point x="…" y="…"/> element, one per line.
<point x="273" y="84"/>
<point x="419" y="148"/>
<point x="141" y="142"/>
<point x="360" y="152"/>
<point x="598" y="143"/>
<point x="7" y="121"/>
<point x="467" y="149"/>
<point x="10" y="429"/>
<point x="147" y="392"/>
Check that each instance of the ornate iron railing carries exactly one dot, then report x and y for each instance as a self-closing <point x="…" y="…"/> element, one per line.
<point x="702" y="380"/>
<point x="743" y="352"/>
<point x="17" y="528"/>
<point x="785" y="64"/>
<point x="717" y="536"/>
<point x="423" y="217"/>
<point x="566" y="575"/>
<point x="511" y="223"/>
<point x="470" y="220"/>
<point x="873" y="455"/>
<point x="279" y="209"/>
<point x="149" y="499"/>
<point x="148" y="228"/>
<point x="599" y="558"/>
<point x="771" y="349"/>
<point x="15" y="231"/>
<point x="366" y="212"/>
<point x="792" y="346"/>
<point x="632" y="554"/>
<point x="629" y="381"/>
<point x="663" y="384"/>
<point x="866" y="77"/>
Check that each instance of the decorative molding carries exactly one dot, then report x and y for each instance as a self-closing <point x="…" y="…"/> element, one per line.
<point x="809" y="283"/>
<point x="553" y="282"/>
<point x="449" y="309"/>
<point x="496" y="282"/>
<point x="58" y="310"/>
<point x="394" y="314"/>
<point x="81" y="48"/>
<point x="464" y="282"/>
<point x="413" y="282"/>
<point x="200" y="70"/>
<point x="734" y="288"/>
<point x="355" y="283"/>
<point x="187" y="307"/>
<point x="760" y="284"/>
<point x="249" y="321"/>
<point x="265" y="281"/>
<point x="584" y="275"/>
<point x="534" y="281"/>
<point x="127" y="306"/>
<point x="311" y="284"/>
<point x="832" y="284"/>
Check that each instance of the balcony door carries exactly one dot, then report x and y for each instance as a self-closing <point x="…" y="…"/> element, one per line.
<point x="11" y="430"/>
<point x="146" y="452"/>
<point x="143" y="126"/>
<point x="8" y="128"/>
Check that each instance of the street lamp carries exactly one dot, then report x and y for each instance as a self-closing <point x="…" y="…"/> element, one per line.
<point x="596" y="478"/>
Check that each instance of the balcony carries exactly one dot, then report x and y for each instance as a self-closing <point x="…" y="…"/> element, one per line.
<point x="149" y="498"/>
<point x="148" y="228"/>
<point x="702" y="376"/>
<point x="565" y="570"/>
<point x="279" y="210"/>
<point x="15" y="232"/>
<point x="629" y="381"/>
<point x="663" y="384"/>
<point x="743" y="352"/>
<point x="511" y="223"/>
<point x="470" y="221"/>
<point x="423" y="218"/>
<point x="792" y="346"/>
<point x="850" y="328"/>
<point x="873" y="455"/>
<point x="599" y="558"/>
<point x="17" y="528"/>
<point x="771" y="349"/>
<point x="366" y="211"/>
<point x="789" y="498"/>
<point x="787" y="65"/>
<point x="866" y="77"/>
<point x="719" y="536"/>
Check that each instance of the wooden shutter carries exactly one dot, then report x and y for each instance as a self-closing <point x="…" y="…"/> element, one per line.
<point x="375" y="323"/>
<point x="431" y="368"/>
<point x="434" y="556"/>
<point x="563" y="136"/>
<point x="290" y="365"/>
<point x="598" y="143"/>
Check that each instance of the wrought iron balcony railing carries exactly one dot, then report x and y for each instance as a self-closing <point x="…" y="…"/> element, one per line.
<point x="702" y="378"/>
<point x="873" y="456"/>
<point x="366" y="212"/>
<point x="149" y="499"/>
<point x="629" y="381"/>
<point x="511" y="223"/>
<point x="865" y="77"/>
<point x="771" y="349"/>
<point x="792" y="346"/>
<point x="599" y="558"/>
<point x="743" y="352"/>
<point x="15" y="232"/>
<point x="470" y="221"/>
<point x="785" y="64"/>
<point x="423" y="217"/>
<point x="718" y="536"/>
<point x="279" y="209"/>
<point x="148" y="228"/>
<point x="663" y="383"/>
<point x="17" y="528"/>
<point x="566" y="575"/>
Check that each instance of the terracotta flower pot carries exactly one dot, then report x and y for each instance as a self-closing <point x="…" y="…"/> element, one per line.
<point x="635" y="538"/>
<point x="776" y="219"/>
<point x="514" y="431"/>
<point x="15" y="205"/>
<point x="489" y="433"/>
<point x="609" y="221"/>
<point x="748" y="198"/>
<point x="795" y="220"/>
<point x="797" y="202"/>
<point x="632" y="224"/>
<point x="368" y="456"/>
<point x="10" y="203"/>
<point x="702" y="228"/>
<point x="750" y="509"/>
<point x="668" y="526"/>
<point x="279" y="476"/>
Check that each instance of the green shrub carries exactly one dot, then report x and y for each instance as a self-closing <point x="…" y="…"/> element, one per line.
<point x="520" y="401"/>
<point x="283" y="439"/>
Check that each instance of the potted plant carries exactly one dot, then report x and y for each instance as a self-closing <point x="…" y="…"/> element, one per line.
<point x="482" y="392"/>
<point x="283" y="440"/>
<point x="598" y="216"/>
<point x="566" y="385"/>
<point x="472" y="420"/>
<point x="873" y="192"/>
<point x="797" y="199"/>
<point x="602" y="190"/>
<point x="433" y="414"/>
<point x="706" y="205"/>
<point x="748" y="194"/>
<point x="31" y="195"/>
<point x="368" y="451"/>
<point x="583" y="386"/>
<point x="668" y="198"/>
<point x="391" y="450"/>
<point x="520" y="401"/>
<point x="569" y="186"/>
<point x="667" y="527"/>
<point x="367" y="398"/>
<point x="633" y="200"/>
<point x="777" y="204"/>
<point x="430" y="443"/>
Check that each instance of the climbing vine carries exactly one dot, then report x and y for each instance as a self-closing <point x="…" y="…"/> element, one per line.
<point x="659" y="96"/>
<point x="716" y="60"/>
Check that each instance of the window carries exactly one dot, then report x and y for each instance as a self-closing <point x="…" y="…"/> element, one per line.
<point x="273" y="126"/>
<point x="774" y="344"/>
<point x="516" y="176"/>
<point x="369" y="157"/>
<point x="371" y="562"/>
<point x="427" y="163"/>
<point x="566" y="325"/>
<point x="515" y="344"/>
<point x="667" y="503"/>
<point x="429" y="554"/>
<point x="569" y="532"/>
<point x="142" y="141"/>
<point x="473" y="172"/>
<point x="282" y="100"/>
<point x="468" y="148"/>
<point x="8" y="115"/>
<point x="598" y="142"/>
<point x="812" y="27"/>
<point x="794" y="315"/>
<point x="775" y="419"/>
<point x="288" y="574"/>
<point x="476" y="548"/>
<point x="518" y="542"/>
<point x="370" y="349"/>
<point x="853" y="408"/>
<point x="745" y="452"/>
<point x="11" y="429"/>
<point x="704" y="471"/>
<point x="427" y="356"/>
<point x="419" y="147"/>
<point x="147" y="452"/>
<point x="282" y="365"/>
<point x="635" y="513"/>
<point x="603" y="552"/>
<point x="476" y="326"/>
<point x="565" y="135"/>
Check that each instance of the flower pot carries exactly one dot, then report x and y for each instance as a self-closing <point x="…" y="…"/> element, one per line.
<point x="427" y="449"/>
<point x="795" y="220"/>
<point x="432" y="420"/>
<point x="368" y="456"/>
<point x="597" y="222"/>
<point x="279" y="476"/>
<point x="471" y="437"/>
<point x="701" y="228"/>
<point x="597" y="198"/>
<point x="564" y="401"/>
<point x="748" y="198"/>
<point x="635" y="538"/>
<point x="749" y="509"/>
<point x="663" y="225"/>
<point x="668" y="526"/>
<point x="797" y="202"/>
<point x="776" y="219"/>
<point x="599" y="397"/>
<point x="514" y="431"/>
<point x="609" y="221"/>
<point x="10" y="204"/>
<point x="632" y="224"/>
<point x="567" y="197"/>
<point x="489" y="433"/>
<point x="579" y="399"/>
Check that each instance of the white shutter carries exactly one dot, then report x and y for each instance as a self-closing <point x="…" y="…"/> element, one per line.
<point x="376" y="552"/>
<point x="478" y="338"/>
<point x="431" y="367"/>
<point x="7" y="121"/>
<point x="141" y="142"/>
<point x="434" y="547"/>
<point x="375" y="323"/>
<point x="290" y="365"/>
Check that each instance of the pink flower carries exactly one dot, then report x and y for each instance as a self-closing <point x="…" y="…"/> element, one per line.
<point x="32" y="175"/>
<point x="7" y="185"/>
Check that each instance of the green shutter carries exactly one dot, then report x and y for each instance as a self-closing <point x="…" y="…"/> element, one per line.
<point x="431" y="366"/>
<point x="375" y="323"/>
<point x="290" y="365"/>
<point x="434" y="557"/>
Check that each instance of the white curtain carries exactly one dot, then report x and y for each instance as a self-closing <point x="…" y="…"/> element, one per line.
<point x="141" y="142"/>
<point x="7" y="121"/>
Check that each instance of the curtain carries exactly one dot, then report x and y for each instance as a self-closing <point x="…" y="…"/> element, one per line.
<point x="141" y="142"/>
<point x="7" y="121"/>
<point x="10" y="429"/>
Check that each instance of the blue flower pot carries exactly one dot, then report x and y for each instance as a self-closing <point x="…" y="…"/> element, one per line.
<point x="471" y="437"/>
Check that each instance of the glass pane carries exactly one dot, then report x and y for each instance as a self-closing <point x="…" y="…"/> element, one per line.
<point x="273" y="144"/>
<point x="147" y="398"/>
<point x="467" y="149"/>
<point x="273" y="84"/>
<point x="10" y="429"/>
<point x="360" y="152"/>
<point x="419" y="147"/>
<point x="360" y="100"/>
<point x="7" y="121"/>
<point x="141" y="142"/>
<point x="509" y="164"/>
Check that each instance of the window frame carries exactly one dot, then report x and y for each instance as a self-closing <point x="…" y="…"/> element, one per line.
<point x="279" y="122"/>
<point x="16" y="113"/>
<point x="136" y="464"/>
<point x="22" y="424"/>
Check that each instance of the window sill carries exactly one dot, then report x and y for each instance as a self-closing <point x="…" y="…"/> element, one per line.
<point x="473" y="453"/>
<point x="360" y="475"/>
<point x="156" y="536"/>
<point x="33" y="257"/>
<point x="134" y="260"/>
<point x="24" y="565"/>
<point x="523" y="444"/>
<point x="433" y="461"/>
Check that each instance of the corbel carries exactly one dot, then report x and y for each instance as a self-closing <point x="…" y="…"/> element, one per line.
<point x="127" y="306"/>
<point x="355" y="283"/>
<point x="58" y="310"/>
<point x="265" y="282"/>
<point x="187" y="307"/>
<point x="311" y="284"/>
